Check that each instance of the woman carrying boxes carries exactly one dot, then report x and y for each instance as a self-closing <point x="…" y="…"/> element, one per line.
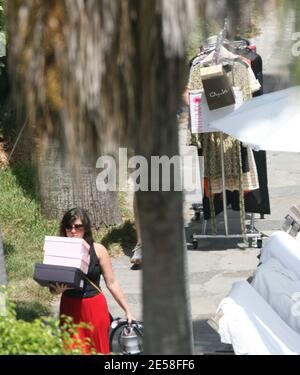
<point x="88" y="304"/>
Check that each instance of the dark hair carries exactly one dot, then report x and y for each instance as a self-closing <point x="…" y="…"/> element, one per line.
<point x="70" y="217"/>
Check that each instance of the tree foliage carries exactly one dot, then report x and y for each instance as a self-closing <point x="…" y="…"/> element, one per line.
<point x="44" y="336"/>
<point x="91" y="65"/>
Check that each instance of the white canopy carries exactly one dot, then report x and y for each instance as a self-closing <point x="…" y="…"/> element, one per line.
<point x="269" y="122"/>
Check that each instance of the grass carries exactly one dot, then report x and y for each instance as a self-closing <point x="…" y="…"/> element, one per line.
<point x="23" y="229"/>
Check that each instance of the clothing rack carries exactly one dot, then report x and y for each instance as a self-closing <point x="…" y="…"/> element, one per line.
<point x="253" y="235"/>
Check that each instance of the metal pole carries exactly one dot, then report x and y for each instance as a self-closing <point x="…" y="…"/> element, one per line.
<point x="224" y="187"/>
<point x="252" y="225"/>
<point x="249" y="235"/>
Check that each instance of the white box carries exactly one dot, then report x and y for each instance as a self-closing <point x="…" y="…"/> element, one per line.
<point x="67" y="262"/>
<point x="68" y="252"/>
<point x="65" y="244"/>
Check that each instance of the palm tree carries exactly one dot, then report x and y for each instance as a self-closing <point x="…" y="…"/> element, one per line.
<point x="62" y="185"/>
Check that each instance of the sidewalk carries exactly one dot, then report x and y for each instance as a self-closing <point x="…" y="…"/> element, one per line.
<point x="217" y="264"/>
<point x="211" y="274"/>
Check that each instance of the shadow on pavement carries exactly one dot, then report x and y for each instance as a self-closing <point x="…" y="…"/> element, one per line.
<point x="207" y="341"/>
<point x="196" y="227"/>
<point x="125" y="234"/>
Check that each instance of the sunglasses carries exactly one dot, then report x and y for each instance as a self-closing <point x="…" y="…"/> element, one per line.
<point x="77" y="227"/>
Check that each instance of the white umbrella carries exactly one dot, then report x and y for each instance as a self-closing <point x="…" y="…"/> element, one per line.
<point x="269" y="122"/>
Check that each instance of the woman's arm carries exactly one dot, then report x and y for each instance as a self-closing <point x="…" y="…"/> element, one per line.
<point x="111" y="281"/>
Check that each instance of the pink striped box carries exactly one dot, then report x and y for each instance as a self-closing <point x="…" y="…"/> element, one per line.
<point x="78" y="245"/>
<point x="62" y="253"/>
<point x="67" y="262"/>
<point x="65" y="251"/>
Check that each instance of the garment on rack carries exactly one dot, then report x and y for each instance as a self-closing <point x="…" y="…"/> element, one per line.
<point x="256" y="65"/>
<point x="209" y="143"/>
<point x="245" y="161"/>
<point x="258" y="201"/>
<point x="238" y="76"/>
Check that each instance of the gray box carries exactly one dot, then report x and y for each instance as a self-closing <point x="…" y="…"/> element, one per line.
<point x="46" y="274"/>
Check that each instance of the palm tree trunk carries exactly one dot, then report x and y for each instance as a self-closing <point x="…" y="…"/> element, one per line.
<point x="61" y="189"/>
<point x="166" y="308"/>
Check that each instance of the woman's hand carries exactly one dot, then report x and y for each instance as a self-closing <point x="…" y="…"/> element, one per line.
<point x="130" y="317"/>
<point x="59" y="288"/>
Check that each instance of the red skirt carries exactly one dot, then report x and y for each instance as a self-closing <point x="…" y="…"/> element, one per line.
<point x="93" y="311"/>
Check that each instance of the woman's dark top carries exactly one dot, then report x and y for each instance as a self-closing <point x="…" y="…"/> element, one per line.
<point x="93" y="274"/>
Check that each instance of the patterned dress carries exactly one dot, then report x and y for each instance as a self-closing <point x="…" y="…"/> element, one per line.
<point x="210" y="145"/>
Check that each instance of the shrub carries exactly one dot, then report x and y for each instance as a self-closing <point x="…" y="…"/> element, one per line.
<point x="41" y="337"/>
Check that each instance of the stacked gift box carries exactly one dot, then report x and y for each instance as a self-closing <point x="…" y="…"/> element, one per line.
<point x="66" y="261"/>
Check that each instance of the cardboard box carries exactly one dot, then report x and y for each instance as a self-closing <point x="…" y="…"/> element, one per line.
<point x="45" y="274"/>
<point x="211" y="72"/>
<point x="218" y="90"/>
<point x="68" y="262"/>
<point x="77" y="246"/>
<point x="67" y="252"/>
